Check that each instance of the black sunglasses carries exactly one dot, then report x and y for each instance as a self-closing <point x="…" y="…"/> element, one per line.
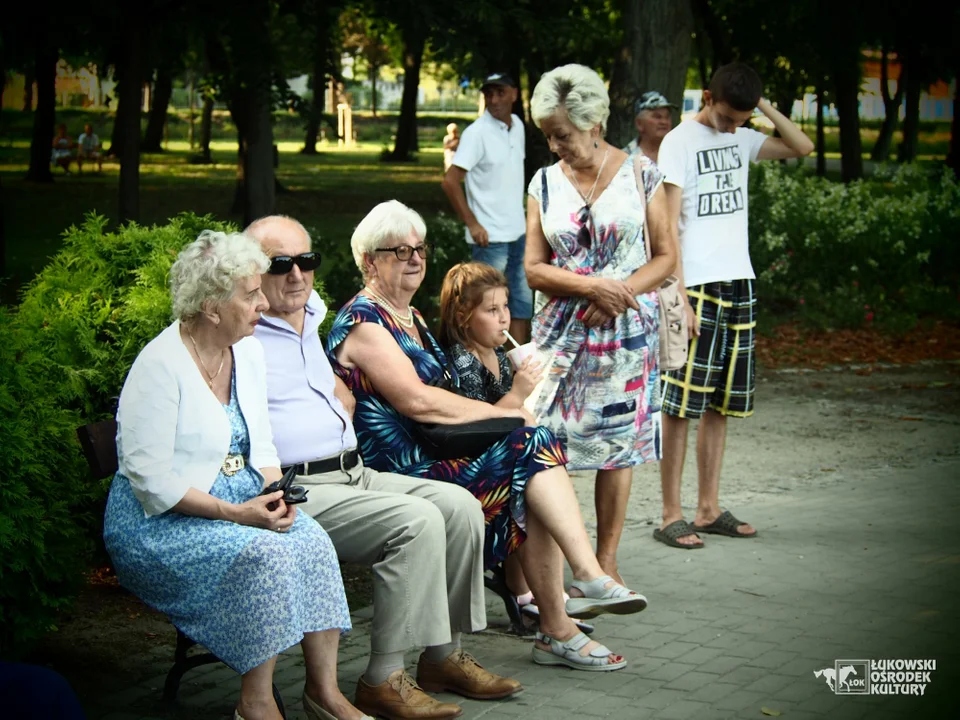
<point x="585" y="233"/>
<point x="282" y="264"/>
<point x="405" y="252"/>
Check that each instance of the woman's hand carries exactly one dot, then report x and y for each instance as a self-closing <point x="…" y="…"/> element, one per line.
<point x="594" y="317"/>
<point x="527" y="377"/>
<point x="255" y="513"/>
<point x="693" y="322"/>
<point x="612" y="297"/>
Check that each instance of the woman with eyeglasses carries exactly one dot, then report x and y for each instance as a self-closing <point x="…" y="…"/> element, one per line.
<point x="382" y="350"/>
<point x="243" y="573"/>
<point x="597" y="310"/>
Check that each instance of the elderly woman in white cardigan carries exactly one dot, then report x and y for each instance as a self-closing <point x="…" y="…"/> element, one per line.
<point x="243" y="574"/>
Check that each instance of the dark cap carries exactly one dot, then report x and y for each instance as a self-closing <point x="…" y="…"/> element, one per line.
<point x="498" y="78"/>
<point x="651" y="101"/>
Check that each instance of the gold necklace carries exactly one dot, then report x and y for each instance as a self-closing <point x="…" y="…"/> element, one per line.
<point x="404" y="320"/>
<point x="203" y="364"/>
<point x="573" y="174"/>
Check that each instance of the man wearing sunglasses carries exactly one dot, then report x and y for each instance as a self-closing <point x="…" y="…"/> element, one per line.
<point x="423" y="539"/>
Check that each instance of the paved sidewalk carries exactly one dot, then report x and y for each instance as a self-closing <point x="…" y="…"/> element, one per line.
<point x="866" y="569"/>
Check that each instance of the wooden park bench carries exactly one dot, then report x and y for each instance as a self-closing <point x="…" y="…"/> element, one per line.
<point x="99" y="443"/>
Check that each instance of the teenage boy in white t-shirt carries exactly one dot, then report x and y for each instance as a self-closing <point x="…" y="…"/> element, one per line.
<point x="489" y="161"/>
<point x="705" y="161"/>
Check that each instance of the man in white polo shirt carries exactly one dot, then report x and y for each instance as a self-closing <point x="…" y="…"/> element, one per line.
<point x="489" y="161"/>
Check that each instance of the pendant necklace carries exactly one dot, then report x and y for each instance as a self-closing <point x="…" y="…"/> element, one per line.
<point x="404" y="320"/>
<point x="573" y="174"/>
<point x="215" y="375"/>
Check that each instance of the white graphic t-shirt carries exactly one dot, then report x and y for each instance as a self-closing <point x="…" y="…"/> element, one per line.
<point x="711" y="168"/>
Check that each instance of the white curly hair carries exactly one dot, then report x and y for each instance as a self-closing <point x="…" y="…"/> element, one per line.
<point x="576" y="88"/>
<point x="388" y="223"/>
<point x="207" y="270"/>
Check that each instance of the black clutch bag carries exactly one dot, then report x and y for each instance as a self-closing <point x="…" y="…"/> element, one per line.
<point x="459" y="440"/>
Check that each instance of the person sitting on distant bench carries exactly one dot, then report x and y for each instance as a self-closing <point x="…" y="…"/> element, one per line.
<point x="90" y="148"/>
<point x="62" y="151"/>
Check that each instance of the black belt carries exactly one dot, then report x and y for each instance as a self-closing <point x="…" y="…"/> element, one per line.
<point x="344" y="461"/>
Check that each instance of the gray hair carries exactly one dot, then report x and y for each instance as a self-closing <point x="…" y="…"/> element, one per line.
<point x="388" y="222"/>
<point x="577" y="89"/>
<point x="207" y="270"/>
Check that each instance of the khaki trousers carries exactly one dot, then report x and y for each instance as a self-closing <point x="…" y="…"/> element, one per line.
<point x="424" y="541"/>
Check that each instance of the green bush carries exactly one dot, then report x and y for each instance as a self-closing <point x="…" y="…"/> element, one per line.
<point x="48" y="509"/>
<point x="878" y="251"/>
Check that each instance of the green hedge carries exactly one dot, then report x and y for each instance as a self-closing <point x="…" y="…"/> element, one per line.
<point x="47" y="500"/>
<point x="880" y="251"/>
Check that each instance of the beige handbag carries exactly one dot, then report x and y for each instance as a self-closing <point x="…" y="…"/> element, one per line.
<point x="673" y="318"/>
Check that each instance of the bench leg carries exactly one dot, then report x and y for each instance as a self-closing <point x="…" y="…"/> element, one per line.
<point x="497" y="583"/>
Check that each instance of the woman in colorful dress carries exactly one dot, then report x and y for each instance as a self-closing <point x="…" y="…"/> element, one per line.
<point x="596" y="317"/>
<point x="243" y="574"/>
<point x="383" y="351"/>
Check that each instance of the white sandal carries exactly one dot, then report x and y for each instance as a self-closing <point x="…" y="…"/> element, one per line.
<point x="598" y="599"/>
<point x="567" y="653"/>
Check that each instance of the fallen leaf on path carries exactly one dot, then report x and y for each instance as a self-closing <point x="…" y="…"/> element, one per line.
<point x="769" y="711"/>
<point x="912" y="419"/>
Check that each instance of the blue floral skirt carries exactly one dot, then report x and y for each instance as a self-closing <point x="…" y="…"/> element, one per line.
<point x="244" y="593"/>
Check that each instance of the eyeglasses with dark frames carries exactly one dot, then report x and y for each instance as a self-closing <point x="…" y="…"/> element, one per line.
<point x="282" y="264"/>
<point x="405" y="252"/>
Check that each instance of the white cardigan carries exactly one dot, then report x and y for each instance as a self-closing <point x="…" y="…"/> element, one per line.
<point x="173" y="433"/>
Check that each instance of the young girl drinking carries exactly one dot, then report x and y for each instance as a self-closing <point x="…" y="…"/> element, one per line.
<point x="473" y="318"/>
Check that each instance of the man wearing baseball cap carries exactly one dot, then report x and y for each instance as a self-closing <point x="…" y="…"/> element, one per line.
<point x="489" y="161"/>
<point x="653" y="121"/>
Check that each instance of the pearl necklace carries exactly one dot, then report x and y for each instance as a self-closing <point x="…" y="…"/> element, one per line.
<point x="204" y="365"/>
<point x="573" y="174"/>
<point x="404" y="320"/>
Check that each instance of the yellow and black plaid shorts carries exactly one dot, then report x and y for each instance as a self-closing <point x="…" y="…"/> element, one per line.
<point x="720" y="373"/>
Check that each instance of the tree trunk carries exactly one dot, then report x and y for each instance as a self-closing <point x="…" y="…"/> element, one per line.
<point x="130" y="77"/>
<point x="28" y="81"/>
<point x="162" y="92"/>
<point x="953" y="155"/>
<point x="907" y="152"/>
<point x="206" y="127"/>
<point x="846" y="79"/>
<point x="406" y="143"/>
<point x="655" y="55"/>
<point x="891" y="109"/>
<point x="374" y="72"/>
<point x="821" y="135"/>
<point x="315" y="113"/>
<point x="258" y="173"/>
<point x="46" y="56"/>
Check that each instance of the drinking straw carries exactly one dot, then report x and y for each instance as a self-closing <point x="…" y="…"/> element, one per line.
<point x="510" y="338"/>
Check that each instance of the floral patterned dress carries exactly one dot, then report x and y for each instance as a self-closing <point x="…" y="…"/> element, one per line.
<point x="601" y="393"/>
<point x="388" y="442"/>
<point x="242" y="592"/>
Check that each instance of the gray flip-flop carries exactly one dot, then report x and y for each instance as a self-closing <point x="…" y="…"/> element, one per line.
<point x="671" y="534"/>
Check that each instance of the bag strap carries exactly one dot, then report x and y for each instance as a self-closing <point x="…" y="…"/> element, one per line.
<point x="638" y="176"/>
<point x="428" y="346"/>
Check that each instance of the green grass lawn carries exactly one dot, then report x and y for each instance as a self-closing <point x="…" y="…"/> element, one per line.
<point x="330" y="193"/>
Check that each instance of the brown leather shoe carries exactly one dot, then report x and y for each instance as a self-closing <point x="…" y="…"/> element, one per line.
<point x="462" y="674"/>
<point x="400" y="698"/>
